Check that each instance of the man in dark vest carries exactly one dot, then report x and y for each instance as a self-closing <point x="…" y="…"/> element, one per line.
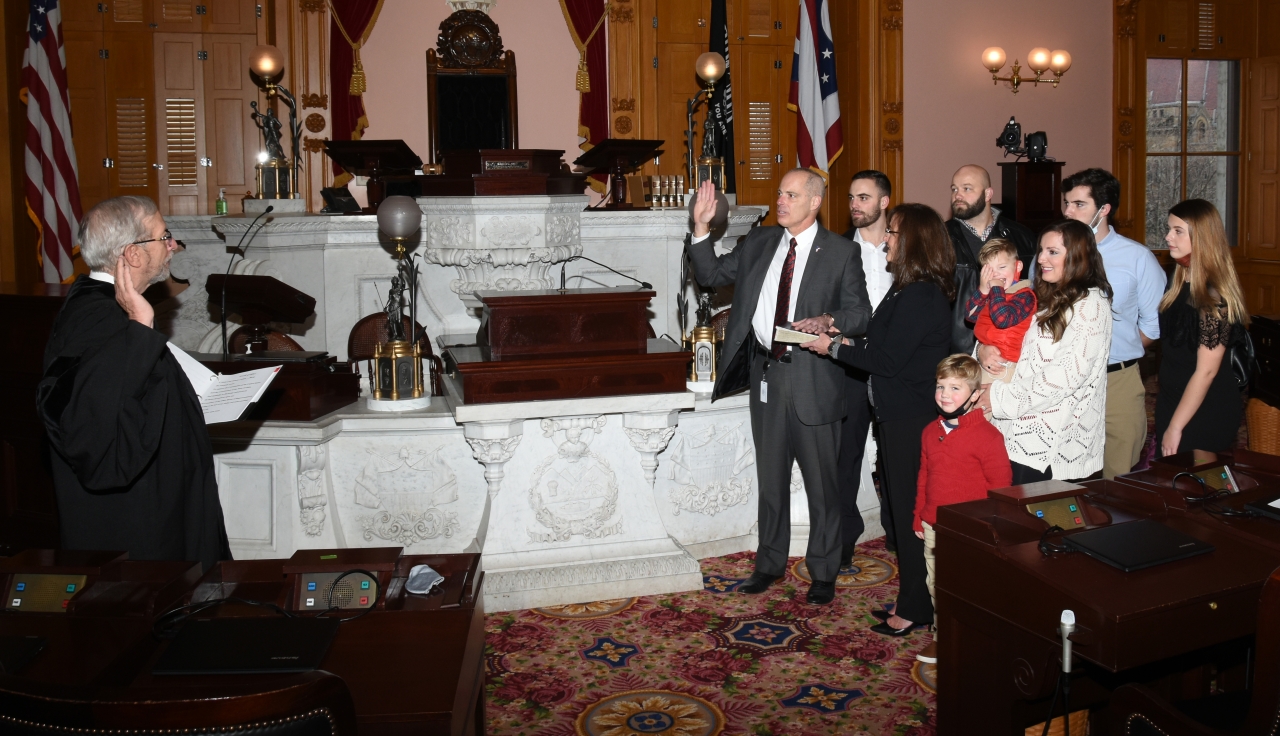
<point x="132" y="461"/>
<point x="798" y="274"/>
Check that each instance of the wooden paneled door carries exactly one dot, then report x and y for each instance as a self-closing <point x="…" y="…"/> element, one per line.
<point x="130" y="109"/>
<point x="205" y="16"/>
<point x="761" y="44"/>
<point x="1262" y="162"/>
<point x="87" y="93"/>
<point x="206" y="139"/>
<point x="232" y="138"/>
<point x="180" y="123"/>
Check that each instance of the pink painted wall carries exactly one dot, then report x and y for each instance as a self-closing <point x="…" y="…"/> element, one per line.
<point x="953" y="113"/>
<point x="395" y="63"/>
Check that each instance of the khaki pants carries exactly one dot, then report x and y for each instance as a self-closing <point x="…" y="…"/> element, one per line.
<point x="930" y="561"/>
<point x="1126" y="421"/>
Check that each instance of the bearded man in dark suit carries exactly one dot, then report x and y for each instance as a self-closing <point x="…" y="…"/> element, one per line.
<point x="797" y="274"/>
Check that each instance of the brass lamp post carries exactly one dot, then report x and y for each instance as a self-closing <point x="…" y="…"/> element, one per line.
<point x="710" y="67"/>
<point x="397" y="372"/>
<point x="277" y="176"/>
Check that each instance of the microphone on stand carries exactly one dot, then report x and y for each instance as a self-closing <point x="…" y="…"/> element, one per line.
<point x="237" y="252"/>
<point x="643" y="284"/>
<point x="1067" y="625"/>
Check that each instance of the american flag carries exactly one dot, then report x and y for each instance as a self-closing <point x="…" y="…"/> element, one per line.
<point x="53" y="196"/>
<point x="819" y="140"/>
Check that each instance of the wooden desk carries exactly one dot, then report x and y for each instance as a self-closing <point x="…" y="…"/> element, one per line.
<point x="414" y="664"/>
<point x="999" y="602"/>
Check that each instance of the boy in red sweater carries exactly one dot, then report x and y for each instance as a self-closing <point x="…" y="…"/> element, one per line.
<point x="1002" y="306"/>
<point x="961" y="457"/>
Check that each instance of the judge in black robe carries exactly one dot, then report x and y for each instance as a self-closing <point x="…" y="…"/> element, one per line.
<point x="132" y="461"/>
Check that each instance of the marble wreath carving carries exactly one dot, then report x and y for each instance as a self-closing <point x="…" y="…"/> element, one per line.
<point x="574" y="491"/>
<point x="707" y="470"/>
<point x="407" y="490"/>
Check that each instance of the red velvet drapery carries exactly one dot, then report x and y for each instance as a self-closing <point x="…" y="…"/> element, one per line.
<point x="593" y="107"/>
<point x="347" y="112"/>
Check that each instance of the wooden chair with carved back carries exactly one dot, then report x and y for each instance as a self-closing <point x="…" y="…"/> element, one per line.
<point x="372" y="329"/>
<point x="1137" y="710"/>
<point x="308" y="704"/>
<point x="471" y="88"/>
<point x="275" y="340"/>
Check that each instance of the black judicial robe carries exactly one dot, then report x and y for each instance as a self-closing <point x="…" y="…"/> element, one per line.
<point x="132" y="461"/>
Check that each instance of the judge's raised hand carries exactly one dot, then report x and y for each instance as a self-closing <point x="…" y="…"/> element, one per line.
<point x="129" y="297"/>
<point x="704" y="208"/>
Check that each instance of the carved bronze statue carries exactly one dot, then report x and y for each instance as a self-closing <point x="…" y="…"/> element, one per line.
<point x="271" y="128"/>
<point x="395" y="311"/>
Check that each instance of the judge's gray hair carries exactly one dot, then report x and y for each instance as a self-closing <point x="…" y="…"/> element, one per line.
<point x="111" y="225"/>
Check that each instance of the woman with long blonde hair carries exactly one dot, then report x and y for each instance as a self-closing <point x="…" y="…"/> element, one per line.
<point x="1201" y="316"/>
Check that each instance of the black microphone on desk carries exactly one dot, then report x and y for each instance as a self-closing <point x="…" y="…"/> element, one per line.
<point x="237" y="252"/>
<point x="643" y="284"/>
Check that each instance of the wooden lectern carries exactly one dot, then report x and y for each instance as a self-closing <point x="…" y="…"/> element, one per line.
<point x="379" y="160"/>
<point x="311" y="383"/>
<point x="618" y="157"/>
<point x="575" y="343"/>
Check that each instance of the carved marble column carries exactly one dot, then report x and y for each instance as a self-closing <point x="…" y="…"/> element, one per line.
<point x="649" y="433"/>
<point x="313" y="496"/>
<point x="502" y="243"/>
<point x="492" y="445"/>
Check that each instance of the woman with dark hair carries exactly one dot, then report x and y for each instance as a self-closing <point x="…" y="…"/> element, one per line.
<point x="1201" y="315"/>
<point x="1053" y="413"/>
<point x="909" y="334"/>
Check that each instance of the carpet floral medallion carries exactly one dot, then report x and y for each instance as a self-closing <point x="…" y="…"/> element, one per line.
<point x="713" y="661"/>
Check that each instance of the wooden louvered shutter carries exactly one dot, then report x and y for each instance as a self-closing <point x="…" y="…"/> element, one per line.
<point x="179" y="123"/>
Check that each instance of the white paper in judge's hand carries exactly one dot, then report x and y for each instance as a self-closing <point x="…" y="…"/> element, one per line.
<point x="223" y="398"/>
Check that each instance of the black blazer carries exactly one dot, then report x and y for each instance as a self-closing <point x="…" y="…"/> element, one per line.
<point x="833" y="283"/>
<point x="909" y="334"/>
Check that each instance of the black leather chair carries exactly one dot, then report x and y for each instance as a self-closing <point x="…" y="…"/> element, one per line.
<point x="310" y="704"/>
<point x="1137" y="710"/>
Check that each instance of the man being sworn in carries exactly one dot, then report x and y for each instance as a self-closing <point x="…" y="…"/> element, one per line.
<point x="797" y="274"/>
<point x="132" y="462"/>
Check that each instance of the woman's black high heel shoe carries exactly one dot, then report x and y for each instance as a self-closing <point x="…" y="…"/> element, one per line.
<point x="884" y="628"/>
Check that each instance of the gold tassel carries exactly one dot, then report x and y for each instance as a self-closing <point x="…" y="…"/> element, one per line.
<point x="584" y="79"/>
<point x="357" y="76"/>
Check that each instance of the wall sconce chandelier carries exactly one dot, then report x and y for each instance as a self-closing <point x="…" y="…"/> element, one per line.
<point x="1039" y="60"/>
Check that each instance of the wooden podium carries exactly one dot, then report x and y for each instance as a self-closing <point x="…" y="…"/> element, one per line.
<point x="575" y="343"/>
<point x="1032" y="192"/>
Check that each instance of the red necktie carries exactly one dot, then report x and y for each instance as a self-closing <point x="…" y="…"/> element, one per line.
<point x="784" y="299"/>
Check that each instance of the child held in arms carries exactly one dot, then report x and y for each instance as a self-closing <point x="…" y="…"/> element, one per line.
<point x="961" y="456"/>
<point x="1002" y="307"/>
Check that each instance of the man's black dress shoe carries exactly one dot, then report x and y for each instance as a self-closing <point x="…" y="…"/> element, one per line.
<point x="758" y="583"/>
<point x="884" y="628"/>
<point x="820" y="593"/>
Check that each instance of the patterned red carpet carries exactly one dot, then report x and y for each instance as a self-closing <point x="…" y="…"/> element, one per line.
<point x="714" y="661"/>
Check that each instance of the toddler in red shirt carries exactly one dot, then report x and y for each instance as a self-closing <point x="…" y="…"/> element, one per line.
<point x="961" y="457"/>
<point x="1002" y="307"/>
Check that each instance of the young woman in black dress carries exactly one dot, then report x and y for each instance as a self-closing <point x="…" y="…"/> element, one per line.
<point x="1201" y="316"/>
<point x="909" y="334"/>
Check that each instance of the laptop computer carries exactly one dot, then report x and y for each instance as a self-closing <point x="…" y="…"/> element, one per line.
<point x="251" y="645"/>
<point x="1268" y="507"/>
<point x="1136" y="545"/>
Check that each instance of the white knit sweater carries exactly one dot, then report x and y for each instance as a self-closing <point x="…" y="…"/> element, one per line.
<point x="1053" y="412"/>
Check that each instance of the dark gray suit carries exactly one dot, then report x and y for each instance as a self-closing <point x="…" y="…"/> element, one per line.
<point x="806" y="396"/>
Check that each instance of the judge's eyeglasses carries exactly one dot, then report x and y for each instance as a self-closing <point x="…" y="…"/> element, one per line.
<point x="166" y="238"/>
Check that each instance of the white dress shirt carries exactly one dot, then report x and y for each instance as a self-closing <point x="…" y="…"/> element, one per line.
<point x="767" y="307"/>
<point x="1138" y="282"/>
<point x="875" y="264"/>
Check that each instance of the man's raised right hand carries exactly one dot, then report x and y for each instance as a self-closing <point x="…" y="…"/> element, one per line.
<point x="704" y="209"/>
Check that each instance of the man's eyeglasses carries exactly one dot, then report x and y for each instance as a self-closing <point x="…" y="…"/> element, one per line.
<point x="887" y="231"/>
<point x="166" y="238"/>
